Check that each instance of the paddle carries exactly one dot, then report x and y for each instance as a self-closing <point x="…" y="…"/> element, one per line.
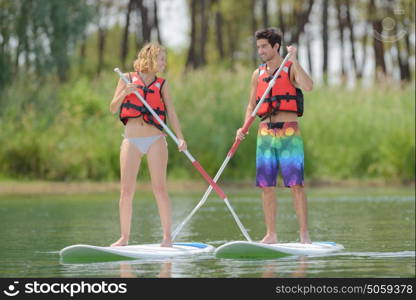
<point x="194" y="162"/>
<point x="233" y="149"/>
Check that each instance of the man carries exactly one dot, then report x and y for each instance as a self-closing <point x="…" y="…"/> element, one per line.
<point x="279" y="144"/>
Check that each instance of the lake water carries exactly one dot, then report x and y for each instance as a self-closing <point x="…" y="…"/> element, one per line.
<point x="375" y="225"/>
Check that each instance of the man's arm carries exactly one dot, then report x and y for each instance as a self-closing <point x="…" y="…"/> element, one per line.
<point x="251" y="102"/>
<point x="298" y="75"/>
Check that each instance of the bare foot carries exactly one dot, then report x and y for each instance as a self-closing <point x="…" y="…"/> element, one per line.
<point x="269" y="239"/>
<point x="167" y="242"/>
<point x="304" y="238"/>
<point x="120" y="242"/>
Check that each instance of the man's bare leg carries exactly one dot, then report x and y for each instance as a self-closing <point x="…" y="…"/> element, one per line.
<point x="301" y="207"/>
<point x="269" y="208"/>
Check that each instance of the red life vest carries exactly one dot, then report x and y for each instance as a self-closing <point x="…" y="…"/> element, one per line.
<point x="283" y="96"/>
<point x="132" y="107"/>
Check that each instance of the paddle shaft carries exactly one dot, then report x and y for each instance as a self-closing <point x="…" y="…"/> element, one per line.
<point x="195" y="163"/>
<point x="234" y="147"/>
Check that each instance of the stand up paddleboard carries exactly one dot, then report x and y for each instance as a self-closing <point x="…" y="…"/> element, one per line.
<point x="88" y="253"/>
<point x="243" y="249"/>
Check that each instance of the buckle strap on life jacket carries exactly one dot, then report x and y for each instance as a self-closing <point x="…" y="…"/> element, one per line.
<point x="286" y="97"/>
<point x="142" y="109"/>
<point x="145" y="89"/>
<point x="151" y="121"/>
<point x="299" y="103"/>
<point x="273" y="111"/>
<point x="267" y="79"/>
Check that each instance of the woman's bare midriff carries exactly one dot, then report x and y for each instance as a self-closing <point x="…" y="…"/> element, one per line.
<point x="282" y="116"/>
<point x="137" y="127"/>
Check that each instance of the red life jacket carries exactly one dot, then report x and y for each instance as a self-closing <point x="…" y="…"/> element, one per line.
<point x="283" y="96"/>
<point x="132" y="107"/>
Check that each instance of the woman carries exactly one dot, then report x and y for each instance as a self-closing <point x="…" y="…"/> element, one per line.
<point x="144" y="135"/>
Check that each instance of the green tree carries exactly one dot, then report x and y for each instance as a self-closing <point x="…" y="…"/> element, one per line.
<point x="39" y="36"/>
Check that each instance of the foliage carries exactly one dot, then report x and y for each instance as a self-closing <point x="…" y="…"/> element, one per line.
<point x="66" y="132"/>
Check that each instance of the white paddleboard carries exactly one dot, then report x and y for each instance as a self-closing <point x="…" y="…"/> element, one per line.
<point x="87" y="253"/>
<point x="244" y="249"/>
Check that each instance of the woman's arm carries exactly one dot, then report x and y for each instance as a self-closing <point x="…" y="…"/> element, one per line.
<point x="173" y="118"/>
<point x="122" y="90"/>
<point x="118" y="97"/>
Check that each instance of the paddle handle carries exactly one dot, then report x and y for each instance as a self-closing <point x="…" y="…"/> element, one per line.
<point x="244" y="129"/>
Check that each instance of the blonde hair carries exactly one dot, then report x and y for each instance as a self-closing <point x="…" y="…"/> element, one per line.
<point x="147" y="58"/>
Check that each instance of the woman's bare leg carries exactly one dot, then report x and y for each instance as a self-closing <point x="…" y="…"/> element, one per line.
<point x="157" y="158"/>
<point x="130" y="159"/>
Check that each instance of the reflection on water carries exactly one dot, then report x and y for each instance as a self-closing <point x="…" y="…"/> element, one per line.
<point x="343" y="264"/>
<point x="272" y="268"/>
<point x="127" y="270"/>
<point x="376" y="254"/>
<point x="292" y="267"/>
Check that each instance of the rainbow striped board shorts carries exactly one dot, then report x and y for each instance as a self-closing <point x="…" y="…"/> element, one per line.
<point x="279" y="145"/>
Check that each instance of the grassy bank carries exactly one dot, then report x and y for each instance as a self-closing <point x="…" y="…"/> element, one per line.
<point x="65" y="132"/>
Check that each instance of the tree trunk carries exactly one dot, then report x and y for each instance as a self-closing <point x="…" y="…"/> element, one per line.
<point x="360" y="69"/>
<point x="58" y="45"/>
<point x="144" y="21"/>
<point x="402" y="61"/>
<point x="352" y="38"/>
<point x="325" y="40"/>
<point x="341" y="25"/>
<point x="21" y="32"/>
<point x="379" y="50"/>
<point x="101" y="47"/>
<point x="399" y="59"/>
<point x="156" y="22"/>
<point x="190" y="60"/>
<point x="204" y="32"/>
<point x="253" y="30"/>
<point x="303" y="20"/>
<point x="82" y="53"/>
<point x="401" y="52"/>
<point x="218" y="29"/>
<point x="407" y="56"/>
<point x="231" y="41"/>
<point x="380" y="66"/>
<point x="6" y="73"/>
<point x="309" y="53"/>
<point x="264" y="13"/>
<point x="125" y="41"/>
<point x="281" y="18"/>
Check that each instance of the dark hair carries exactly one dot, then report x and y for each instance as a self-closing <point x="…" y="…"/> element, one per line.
<point x="272" y="35"/>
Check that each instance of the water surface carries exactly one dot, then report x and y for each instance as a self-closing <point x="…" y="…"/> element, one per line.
<point x="375" y="225"/>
